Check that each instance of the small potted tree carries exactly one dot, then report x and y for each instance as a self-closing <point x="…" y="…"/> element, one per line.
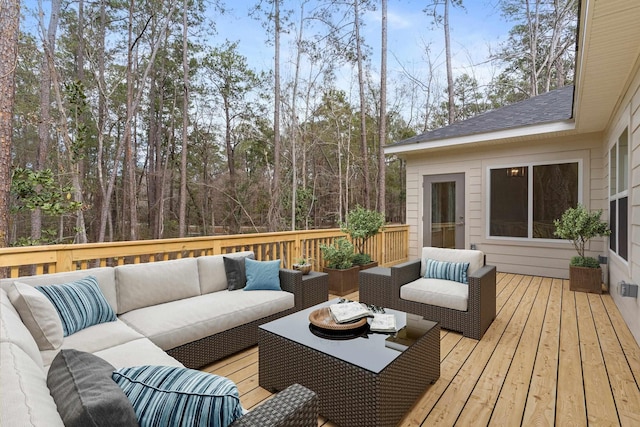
<point x="361" y="225"/>
<point x="343" y="275"/>
<point x="579" y="225"/>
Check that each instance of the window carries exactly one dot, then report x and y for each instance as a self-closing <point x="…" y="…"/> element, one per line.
<point x="526" y="199"/>
<point x="618" y="195"/>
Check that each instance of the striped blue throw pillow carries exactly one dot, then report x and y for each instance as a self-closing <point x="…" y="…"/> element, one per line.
<point x="79" y="304"/>
<point x="172" y="396"/>
<point x="456" y="271"/>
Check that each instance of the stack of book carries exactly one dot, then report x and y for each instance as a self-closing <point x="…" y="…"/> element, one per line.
<point x="352" y="311"/>
<point x="349" y="311"/>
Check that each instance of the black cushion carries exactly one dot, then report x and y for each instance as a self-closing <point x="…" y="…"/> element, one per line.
<point x="235" y="270"/>
<point x="85" y="393"/>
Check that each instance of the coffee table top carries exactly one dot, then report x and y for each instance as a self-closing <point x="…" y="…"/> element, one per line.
<point x="371" y="350"/>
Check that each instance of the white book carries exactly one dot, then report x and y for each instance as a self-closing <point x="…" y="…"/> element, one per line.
<point x="383" y="323"/>
<point x="348" y="311"/>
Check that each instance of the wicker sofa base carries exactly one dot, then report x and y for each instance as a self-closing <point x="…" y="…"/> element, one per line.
<point x="197" y="354"/>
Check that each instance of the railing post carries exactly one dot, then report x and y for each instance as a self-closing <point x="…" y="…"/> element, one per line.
<point x="64" y="259"/>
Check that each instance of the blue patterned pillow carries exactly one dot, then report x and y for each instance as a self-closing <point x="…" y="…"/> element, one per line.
<point x="172" y="396"/>
<point x="262" y="275"/>
<point x="79" y="304"/>
<point x="456" y="271"/>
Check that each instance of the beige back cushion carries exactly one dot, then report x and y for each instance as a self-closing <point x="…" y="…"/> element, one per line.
<point x="13" y="330"/>
<point x="474" y="258"/>
<point x="212" y="274"/>
<point x="143" y="285"/>
<point x="104" y="275"/>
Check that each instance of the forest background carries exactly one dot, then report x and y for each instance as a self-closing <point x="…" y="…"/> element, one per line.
<point x="165" y="118"/>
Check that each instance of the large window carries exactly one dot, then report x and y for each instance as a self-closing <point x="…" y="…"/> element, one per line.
<point x="526" y="199"/>
<point x="619" y="194"/>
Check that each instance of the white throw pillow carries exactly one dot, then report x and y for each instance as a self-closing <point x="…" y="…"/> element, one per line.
<point x="38" y="314"/>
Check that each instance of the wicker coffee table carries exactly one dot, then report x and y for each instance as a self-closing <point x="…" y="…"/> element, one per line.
<point x="361" y="381"/>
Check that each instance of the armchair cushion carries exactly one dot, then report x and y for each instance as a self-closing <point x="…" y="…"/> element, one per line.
<point x="438" y="292"/>
<point x="473" y="257"/>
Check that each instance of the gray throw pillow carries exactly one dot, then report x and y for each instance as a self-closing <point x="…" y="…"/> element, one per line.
<point x="85" y="393"/>
<point x="234" y="268"/>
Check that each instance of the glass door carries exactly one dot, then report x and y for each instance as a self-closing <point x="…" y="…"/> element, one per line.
<point x="443" y="211"/>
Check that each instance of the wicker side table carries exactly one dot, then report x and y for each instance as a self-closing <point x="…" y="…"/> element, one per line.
<point x="315" y="288"/>
<point x="375" y="286"/>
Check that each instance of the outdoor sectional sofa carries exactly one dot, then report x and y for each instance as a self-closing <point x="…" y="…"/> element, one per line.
<point x="468" y="307"/>
<point x="171" y="313"/>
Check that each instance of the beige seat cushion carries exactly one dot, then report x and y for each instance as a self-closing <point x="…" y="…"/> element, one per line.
<point x="12" y="330"/>
<point x="135" y="353"/>
<point x="95" y="338"/>
<point x="212" y="273"/>
<point x="442" y="293"/>
<point x="176" y="323"/>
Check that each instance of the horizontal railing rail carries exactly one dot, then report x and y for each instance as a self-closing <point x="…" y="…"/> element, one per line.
<point x="389" y="247"/>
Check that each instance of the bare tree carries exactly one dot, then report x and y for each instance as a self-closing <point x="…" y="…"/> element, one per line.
<point x="185" y="122"/>
<point x="383" y="112"/>
<point x="444" y="21"/>
<point x="274" y="209"/>
<point x="9" y="20"/>
<point x="363" y="103"/>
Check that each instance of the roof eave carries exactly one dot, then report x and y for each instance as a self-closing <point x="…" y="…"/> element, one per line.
<point x="504" y="135"/>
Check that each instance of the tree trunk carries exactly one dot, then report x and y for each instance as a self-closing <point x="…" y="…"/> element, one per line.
<point x="9" y="22"/>
<point x="274" y="208"/>
<point x="185" y="123"/>
<point x="447" y="47"/>
<point x="363" y="107"/>
<point x="383" y="112"/>
<point x="44" y="124"/>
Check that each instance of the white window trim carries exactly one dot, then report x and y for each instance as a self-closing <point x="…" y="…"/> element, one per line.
<point x="613" y="142"/>
<point x="529" y="166"/>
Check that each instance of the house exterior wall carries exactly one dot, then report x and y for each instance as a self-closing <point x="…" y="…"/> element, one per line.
<point x="548" y="258"/>
<point x="628" y="115"/>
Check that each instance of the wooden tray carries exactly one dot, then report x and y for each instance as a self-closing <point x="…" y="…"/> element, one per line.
<point x="321" y="318"/>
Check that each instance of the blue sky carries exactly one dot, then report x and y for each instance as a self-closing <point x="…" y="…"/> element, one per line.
<point x="473" y="29"/>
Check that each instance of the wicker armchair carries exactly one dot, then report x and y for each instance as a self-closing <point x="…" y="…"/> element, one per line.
<point x="381" y="286"/>
<point x="295" y="406"/>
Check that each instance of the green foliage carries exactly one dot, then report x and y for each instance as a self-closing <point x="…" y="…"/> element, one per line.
<point x="579" y="225"/>
<point x="338" y="255"/>
<point x="361" y="259"/>
<point x="590" y="262"/>
<point x="38" y="189"/>
<point x="303" y="260"/>
<point x="361" y="225"/>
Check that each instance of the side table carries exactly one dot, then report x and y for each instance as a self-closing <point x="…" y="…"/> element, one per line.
<point x="375" y="286"/>
<point x="315" y="288"/>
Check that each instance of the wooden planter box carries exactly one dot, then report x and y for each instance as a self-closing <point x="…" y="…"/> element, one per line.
<point x="342" y="282"/>
<point x="585" y="279"/>
<point x="369" y="265"/>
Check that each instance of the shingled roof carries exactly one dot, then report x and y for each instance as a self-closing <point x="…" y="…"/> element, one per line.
<point x="552" y="106"/>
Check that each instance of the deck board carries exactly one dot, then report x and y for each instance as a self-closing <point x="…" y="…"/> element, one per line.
<point x="551" y="357"/>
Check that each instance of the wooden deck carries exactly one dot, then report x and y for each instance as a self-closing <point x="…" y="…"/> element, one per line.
<point x="551" y="357"/>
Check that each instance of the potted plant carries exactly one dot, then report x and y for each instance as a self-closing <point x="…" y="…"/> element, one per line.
<point x="579" y="225"/>
<point x="303" y="264"/>
<point x="343" y="275"/>
<point x="361" y="225"/>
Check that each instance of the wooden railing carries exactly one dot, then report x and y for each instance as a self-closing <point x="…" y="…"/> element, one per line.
<point x="388" y="248"/>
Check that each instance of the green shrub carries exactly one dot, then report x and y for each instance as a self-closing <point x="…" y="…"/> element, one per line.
<point x="361" y="259"/>
<point x="579" y="225"/>
<point x="587" y="261"/>
<point x="338" y="255"/>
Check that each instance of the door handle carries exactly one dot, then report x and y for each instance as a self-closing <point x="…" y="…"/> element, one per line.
<point x="461" y="222"/>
